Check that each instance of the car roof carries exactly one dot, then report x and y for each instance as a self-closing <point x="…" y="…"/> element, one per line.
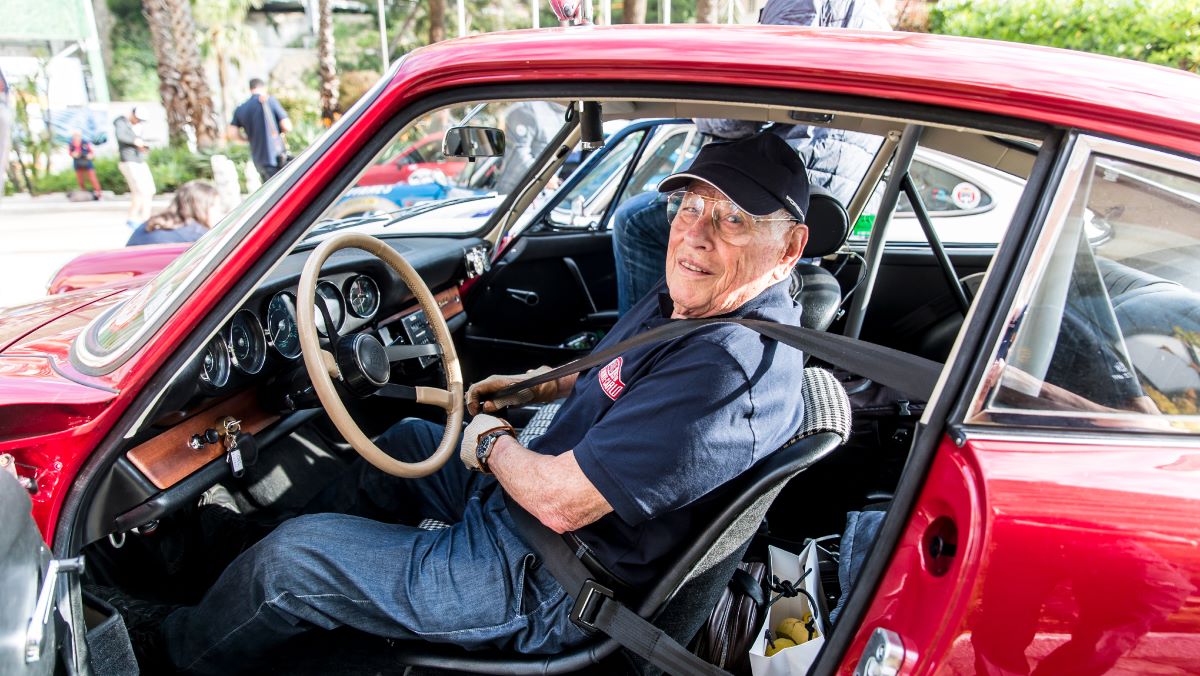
<point x="1151" y="104"/>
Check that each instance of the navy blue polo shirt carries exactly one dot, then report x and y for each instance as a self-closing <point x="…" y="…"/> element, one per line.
<point x="659" y="429"/>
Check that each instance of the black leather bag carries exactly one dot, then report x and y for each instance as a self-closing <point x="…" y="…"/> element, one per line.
<point x="733" y="625"/>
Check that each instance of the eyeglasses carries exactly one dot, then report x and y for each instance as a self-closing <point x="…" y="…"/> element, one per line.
<point x="732" y="224"/>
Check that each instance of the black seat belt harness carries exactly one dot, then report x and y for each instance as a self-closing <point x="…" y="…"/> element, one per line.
<point x="598" y="610"/>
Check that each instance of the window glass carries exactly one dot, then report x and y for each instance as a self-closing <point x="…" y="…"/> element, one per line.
<point x="968" y="203"/>
<point x="409" y="182"/>
<point x="1114" y="324"/>
<point x="583" y="206"/>
<point x="944" y="192"/>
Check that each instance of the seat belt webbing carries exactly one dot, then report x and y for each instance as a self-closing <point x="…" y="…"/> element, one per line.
<point x="914" y="376"/>
<point x="595" y="608"/>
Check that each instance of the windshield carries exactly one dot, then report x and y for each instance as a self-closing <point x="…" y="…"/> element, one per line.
<point x="411" y="186"/>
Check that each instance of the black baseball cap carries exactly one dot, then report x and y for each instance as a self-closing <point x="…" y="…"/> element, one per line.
<point x="761" y="174"/>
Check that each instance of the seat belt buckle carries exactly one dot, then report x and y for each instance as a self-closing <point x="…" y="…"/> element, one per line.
<point x="587" y="604"/>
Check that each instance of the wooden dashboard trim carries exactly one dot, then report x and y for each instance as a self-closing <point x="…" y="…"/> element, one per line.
<point x="449" y="300"/>
<point x="168" y="458"/>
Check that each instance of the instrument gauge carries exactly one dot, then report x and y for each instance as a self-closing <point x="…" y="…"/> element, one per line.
<point x="363" y="297"/>
<point x="214" y="369"/>
<point x="281" y="325"/>
<point x="247" y="343"/>
<point x="334" y="303"/>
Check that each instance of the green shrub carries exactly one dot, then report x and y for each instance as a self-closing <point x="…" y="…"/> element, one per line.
<point x="1165" y="32"/>
<point x="171" y="168"/>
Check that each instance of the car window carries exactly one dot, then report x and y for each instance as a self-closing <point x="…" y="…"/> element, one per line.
<point x="674" y="153"/>
<point x="582" y="206"/>
<point x="944" y="192"/>
<point x="969" y="204"/>
<point x="410" y="179"/>
<point x="1113" y="323"/>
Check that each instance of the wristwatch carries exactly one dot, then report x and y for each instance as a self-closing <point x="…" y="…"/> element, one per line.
<point x="487" y="441"/>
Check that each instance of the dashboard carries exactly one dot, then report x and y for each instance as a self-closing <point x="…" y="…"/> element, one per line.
<point x="250" y="370"/>
<point x="266" y="329"/>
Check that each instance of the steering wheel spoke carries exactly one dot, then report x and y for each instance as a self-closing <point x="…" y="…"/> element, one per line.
<point x="331" y="366"/>
<point x="397" y="353"/>
<point x="436" y="396"/>
<point x="394" y="391"/>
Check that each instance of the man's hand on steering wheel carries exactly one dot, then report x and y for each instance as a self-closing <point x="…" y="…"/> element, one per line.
<point x="479" y="396"/>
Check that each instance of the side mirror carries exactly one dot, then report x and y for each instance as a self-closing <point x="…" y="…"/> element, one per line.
<point x="472" y="142"/>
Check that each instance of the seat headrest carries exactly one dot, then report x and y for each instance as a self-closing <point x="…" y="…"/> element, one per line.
<point x="828" y="224"/>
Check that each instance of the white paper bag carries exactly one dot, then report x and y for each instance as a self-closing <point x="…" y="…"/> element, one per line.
<point x="796" y="659"/>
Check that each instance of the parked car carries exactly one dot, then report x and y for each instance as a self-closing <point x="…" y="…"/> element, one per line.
<point x="1041" y="504"/>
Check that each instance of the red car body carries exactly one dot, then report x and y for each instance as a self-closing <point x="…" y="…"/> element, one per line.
<point x="105" y="268"/>
<point x="1036" y="516"/>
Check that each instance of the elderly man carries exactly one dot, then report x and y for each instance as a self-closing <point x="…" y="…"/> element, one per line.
<point x="629" y="468"/>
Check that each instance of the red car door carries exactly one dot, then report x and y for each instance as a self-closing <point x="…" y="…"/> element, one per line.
<point x="1057" y="530"/>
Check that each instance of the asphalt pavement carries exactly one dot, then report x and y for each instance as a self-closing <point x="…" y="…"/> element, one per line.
<point x="40" y="234"/>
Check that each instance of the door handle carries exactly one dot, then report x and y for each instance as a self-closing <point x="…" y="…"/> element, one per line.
<point x="529" y="298"/>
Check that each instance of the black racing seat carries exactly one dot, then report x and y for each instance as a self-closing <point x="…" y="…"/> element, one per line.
<point x="814" y="287"/>
<point x="679" y="604"/>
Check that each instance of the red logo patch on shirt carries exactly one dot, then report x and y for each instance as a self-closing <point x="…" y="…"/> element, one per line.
<point x="610" y="378"/>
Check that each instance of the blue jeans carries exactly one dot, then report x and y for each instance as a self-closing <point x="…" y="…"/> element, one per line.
<point x="475" y="584"/>
<point x="639" y="234"/>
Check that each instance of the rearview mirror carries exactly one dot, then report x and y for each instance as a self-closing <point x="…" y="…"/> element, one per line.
<point x="472" y="142"/>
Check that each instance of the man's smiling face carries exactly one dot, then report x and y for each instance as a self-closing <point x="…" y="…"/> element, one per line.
<point x="707" y="276"/>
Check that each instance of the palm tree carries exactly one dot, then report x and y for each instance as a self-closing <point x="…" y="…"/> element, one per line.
<point x="327" y="63"/>
<point x="225" y="37"/>
<point x="437" y="21"/>
<point x="182" y="86"/>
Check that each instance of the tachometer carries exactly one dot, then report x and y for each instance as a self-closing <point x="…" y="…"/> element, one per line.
<point x="247" y="343"/>
<point x="363" y="295"/>
<point x="214" y="369"/>
<point x="335" y="304"/>
<point x="281" y="324"/>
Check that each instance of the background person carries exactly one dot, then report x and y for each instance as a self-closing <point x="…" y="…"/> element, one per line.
<point x="836" y="159"/>
<point x="82" y="154"/>
<point x="196" y="208"/>
<point x="528" y="128"/>
<point x="133" y="152"/>
<point x="262" y="121"/>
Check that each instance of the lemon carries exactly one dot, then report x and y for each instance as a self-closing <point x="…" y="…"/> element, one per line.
<point x="793" y="629"/>
<point x="780" y="644"/>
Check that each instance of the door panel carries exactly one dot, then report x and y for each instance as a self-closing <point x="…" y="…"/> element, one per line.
<point x="545" y="290"/>
<point x="1063" y="570"/>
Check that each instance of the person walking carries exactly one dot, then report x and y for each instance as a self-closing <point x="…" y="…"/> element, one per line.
<point x="195" y="209"/>
<point x="82" y="154"/>
<point x="133" y="151"/>
<point x="263" y="122"/>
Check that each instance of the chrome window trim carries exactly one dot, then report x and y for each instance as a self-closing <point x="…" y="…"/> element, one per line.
<point x="978" y="413"/>
<point x="1060" y="436"/>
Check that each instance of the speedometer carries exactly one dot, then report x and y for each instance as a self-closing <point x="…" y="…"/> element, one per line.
<point x="214" y="369"/>
<point x="363" y="295"/>
<point x="281" y="324"/>
<point x="334" y="303"/>
<point x="247" y="343"/>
